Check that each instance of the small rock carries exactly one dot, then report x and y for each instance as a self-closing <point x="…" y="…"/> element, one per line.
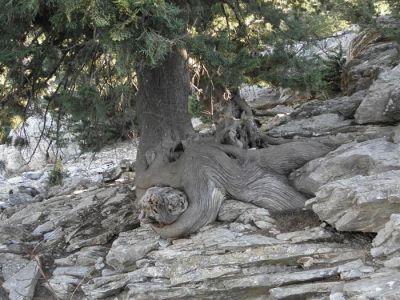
<point x="22" y="285"/>
<point x="33" y="175"/>
<point x="19" y="198"/>
<point x="112" y="175"/>
<point x="130" y="247"/>
<point x="127" y="165"/>
<point x="313" y="234"/>
<point x="366" y="158"/>
<point x="359" y="203"/>
<point x="387" y="241"/>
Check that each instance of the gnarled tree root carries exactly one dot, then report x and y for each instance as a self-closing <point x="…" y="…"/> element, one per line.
<point x="207" y="173"/>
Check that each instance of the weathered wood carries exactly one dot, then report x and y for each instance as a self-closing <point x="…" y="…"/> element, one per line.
<point x="197" y="175"/>
<point x="207" y="174"/>
<point x="162" y="205"/>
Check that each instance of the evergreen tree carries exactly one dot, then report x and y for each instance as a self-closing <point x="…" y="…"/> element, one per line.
<point x="84" y="59"/>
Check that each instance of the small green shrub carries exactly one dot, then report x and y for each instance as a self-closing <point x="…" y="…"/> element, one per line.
<point x="57" y="174"/>
<point x="196" y="109"/>
<point x="20" y="142"/>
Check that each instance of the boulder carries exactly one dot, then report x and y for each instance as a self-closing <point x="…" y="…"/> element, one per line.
<point x="130" y="247"/>
<point x="368" y="56"/>
<point x="345" y="106"/>
<point x="313" y="126"/>
<point x="359" y="203"/>
<point x="387" y="242"/>
<point x="349" y="160"/>
<point x="22" y="285"/>
<point x="382" y="102"/>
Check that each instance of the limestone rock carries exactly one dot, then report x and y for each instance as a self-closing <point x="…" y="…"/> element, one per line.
<point x="366" y="158"/>
<point x="130" y="247"/>
<point x="313" y="234"/>
<point x="387" y="242"/>
<point x="245" y="213"/>
<point x="345" y="106"/>
<point x="382" y="102"/>
<point x="112" y="174"/>
<point x="382" y="285"/>
<point x="313" y="126"/>
<point x="230" y="210"/>
<point x="367" y="57"/>
<point x="359" y="203"/>
<point x="11" y="264"/>
<point x="22" y="285"/>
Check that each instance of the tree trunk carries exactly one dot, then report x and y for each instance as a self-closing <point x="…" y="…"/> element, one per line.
<point x="207" y="171"/>
<point x="162" y="107"/>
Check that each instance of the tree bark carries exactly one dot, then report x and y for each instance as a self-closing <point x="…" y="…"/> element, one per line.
<point x="163" y="116"/>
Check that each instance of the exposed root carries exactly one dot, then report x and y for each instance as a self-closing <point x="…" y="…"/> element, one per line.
<point x="207" y="174"/>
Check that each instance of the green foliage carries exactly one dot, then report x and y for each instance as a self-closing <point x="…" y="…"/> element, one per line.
<point x="78" y="59"/>
<point x="57" y="174"/>
<point x="20" y="142"/>
<point x="197" y="110"/>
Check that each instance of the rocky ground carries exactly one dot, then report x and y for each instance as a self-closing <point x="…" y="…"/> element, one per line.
<point x="83" y="240"/>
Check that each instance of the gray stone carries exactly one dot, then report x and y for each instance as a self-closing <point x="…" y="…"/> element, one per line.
<point x="75" y="271"/>
<point x="345" y="106"/>
<point x="305" y="291"/>
<point x="79" y="242"/>
<point x="376" y="286"/>
<point x="367" y="57"/>
<point x="127" y="165"/>
<point x="382" y="102"/>
<point x="112" y="174"/>
<point x="19" y="198"/>
<point x="64" y="285"/>
<point x="260" y="217"/>
<point x="246" y="213"/>
<point x="313" y="234"/>
<point x="359" y="203"/>
<point x="366" y="158"/>
<point x="84" y="257"/>
<point x="230" y="210"/>
<point x="392" y="263"/>
<point x="387" y="241"/>
<point x="22" y="285"/>
<point x="38" y="151"/>
<point x="103" y="287"/>
<point x="130" y="247"/>
<point x="11" y="264"/>
<point x="33" y="175"/>
<point x="313" y="126"/>
<point x="396" y="135"/>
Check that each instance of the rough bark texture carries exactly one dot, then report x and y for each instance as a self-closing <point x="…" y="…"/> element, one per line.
<point x="202" y="172"/>
<point x="163" y="115"/>
<point x="207" y="174"/>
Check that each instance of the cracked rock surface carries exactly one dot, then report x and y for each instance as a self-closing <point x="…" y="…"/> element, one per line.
<point x="89" y="245"/>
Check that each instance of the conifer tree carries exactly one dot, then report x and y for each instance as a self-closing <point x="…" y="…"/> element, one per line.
<point x="92" y="59"/>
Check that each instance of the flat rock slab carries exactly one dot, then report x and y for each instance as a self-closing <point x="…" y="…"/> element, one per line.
<point x="130" y="247"/>
<point x="21" y="286"/>
<point x="349" y="160"/>
<point x="345" y="106"/>
<point x="245" y="257"/>
<point x="387" y="242"/>
<point x="313" y="126"/>
<point x="359" y="203"/>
